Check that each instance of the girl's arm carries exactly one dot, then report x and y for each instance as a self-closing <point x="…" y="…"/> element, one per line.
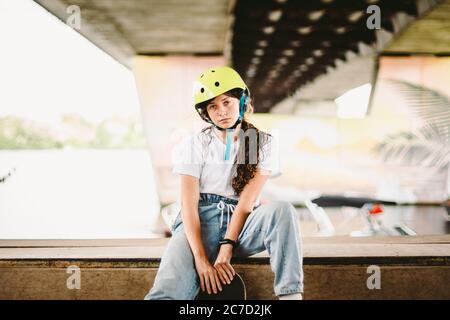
<point x="243" y="209"/>
<point x="245" y="205"/>
<point x="190" y="192"/>
<point x="189" y="213"/>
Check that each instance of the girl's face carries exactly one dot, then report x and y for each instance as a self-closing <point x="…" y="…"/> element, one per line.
<point x="223" y="110"/>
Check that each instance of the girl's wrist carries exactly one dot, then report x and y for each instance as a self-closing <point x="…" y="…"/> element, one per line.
<point x="228" y="242"/>
<point x="226" y="248"/>
<point x="198" y="255"/>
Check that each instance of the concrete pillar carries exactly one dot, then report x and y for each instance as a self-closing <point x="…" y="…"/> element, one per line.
<point x="164" y="85"/>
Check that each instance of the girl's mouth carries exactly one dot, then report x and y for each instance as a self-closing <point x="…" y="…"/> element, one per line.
<point x="224" y="120"/>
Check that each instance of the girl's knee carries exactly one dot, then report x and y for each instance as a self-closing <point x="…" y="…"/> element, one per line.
<point x="284" y="212"/>
<point x="284" y="206"/>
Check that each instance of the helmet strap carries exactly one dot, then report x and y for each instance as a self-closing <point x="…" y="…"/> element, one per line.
<point x="229" y="133"/>
<point x="242" y="103"/>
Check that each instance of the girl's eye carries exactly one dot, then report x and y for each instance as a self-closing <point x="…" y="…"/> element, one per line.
<point x="225" y="103"/>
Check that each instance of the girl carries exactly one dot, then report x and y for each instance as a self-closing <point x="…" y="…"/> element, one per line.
<point x="221" y="173"/>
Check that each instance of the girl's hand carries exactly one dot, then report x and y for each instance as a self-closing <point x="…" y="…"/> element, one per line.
<point x="208" y="275"/>
<point x="222" y="264"/>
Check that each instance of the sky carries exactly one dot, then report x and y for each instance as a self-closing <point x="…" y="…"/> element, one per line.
<point x="47" y="69"/>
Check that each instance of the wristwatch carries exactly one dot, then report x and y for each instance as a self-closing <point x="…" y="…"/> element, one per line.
<point x="228" y="241"/>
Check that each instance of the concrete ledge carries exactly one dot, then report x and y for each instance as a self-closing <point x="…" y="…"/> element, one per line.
<point x="335" y="268"/>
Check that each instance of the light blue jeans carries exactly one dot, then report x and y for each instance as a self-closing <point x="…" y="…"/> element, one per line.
<point x="272" y="227"/>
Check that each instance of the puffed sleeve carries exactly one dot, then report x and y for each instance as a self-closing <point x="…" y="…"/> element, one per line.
<point x="187" y="157"/>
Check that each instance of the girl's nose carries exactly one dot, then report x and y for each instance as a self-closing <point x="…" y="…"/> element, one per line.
<point x="222" y="109"/>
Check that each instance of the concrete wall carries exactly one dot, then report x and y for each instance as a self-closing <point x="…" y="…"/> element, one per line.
<point x="40" y="279"/>
<point x="164" y="85"/>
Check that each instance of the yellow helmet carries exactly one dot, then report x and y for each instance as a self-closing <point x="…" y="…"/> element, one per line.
<point x="216" y="81"/>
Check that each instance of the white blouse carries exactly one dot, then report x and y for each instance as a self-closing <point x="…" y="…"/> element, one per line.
<point x="202" y="156"/>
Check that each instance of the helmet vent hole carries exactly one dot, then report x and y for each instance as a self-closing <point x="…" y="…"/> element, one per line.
<point x="202" y="76"/>
<point x="217" y="84"/>
<point x="202" y="90"/>
<point x="213" y="70"/>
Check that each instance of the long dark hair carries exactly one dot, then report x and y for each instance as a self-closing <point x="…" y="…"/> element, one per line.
<point x="245" y="166"/>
